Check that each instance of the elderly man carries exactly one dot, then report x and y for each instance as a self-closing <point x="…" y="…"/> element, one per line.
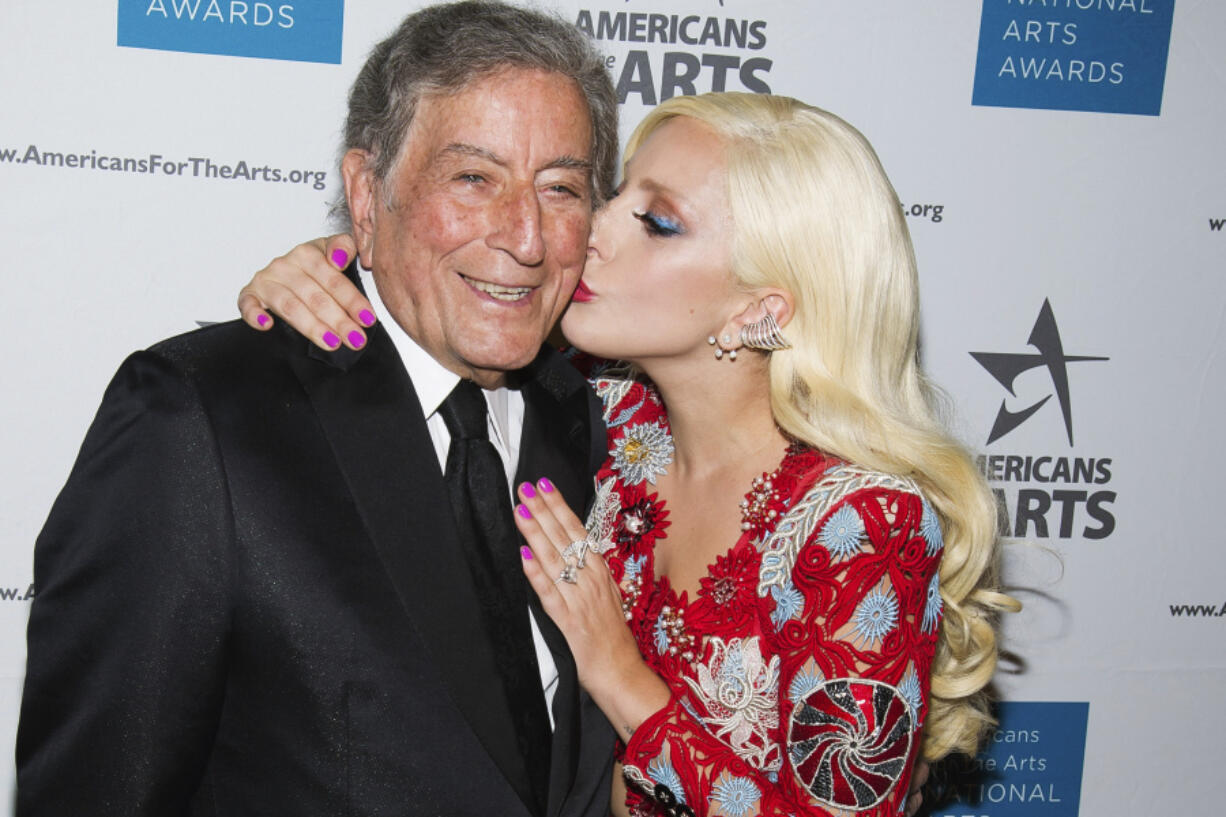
<point x="280" y="581"/>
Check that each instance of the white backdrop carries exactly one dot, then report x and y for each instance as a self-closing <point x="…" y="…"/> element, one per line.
<point x="1108" y="217"/>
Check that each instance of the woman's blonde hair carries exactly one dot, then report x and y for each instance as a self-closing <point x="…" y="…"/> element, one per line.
<point x="814" y="214"/>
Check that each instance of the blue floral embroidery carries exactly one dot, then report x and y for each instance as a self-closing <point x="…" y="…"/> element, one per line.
<point x="875" y="616"/>
<point x="932" y="605"/>
<point x="789" y="604"/>
<point x="736" y="796"/>
<point x="634" y="566"/>
<point x="802" y="684"/>
<point x="841" y="533"/>
<point x="662" y="772"/>
<point x="661" y="635"/>
<point x="910" y="691"/>
<point x="930" y="529"/>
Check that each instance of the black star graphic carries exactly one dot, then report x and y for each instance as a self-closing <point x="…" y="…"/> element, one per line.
<point x="1005" y="367"/>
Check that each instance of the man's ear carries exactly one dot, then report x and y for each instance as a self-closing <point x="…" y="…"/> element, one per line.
<point x="362" y="194"/>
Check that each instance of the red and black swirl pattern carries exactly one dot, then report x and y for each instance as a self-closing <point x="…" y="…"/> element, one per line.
<point x="849" y="741"/>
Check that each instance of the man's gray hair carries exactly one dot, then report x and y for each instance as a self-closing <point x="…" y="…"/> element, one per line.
<point x="445" y="47"/>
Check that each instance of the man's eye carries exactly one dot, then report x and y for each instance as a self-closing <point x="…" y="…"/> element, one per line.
<point x="659" y="225"/>
<point x="564" y="189"/>
<point x="470" y="178"/>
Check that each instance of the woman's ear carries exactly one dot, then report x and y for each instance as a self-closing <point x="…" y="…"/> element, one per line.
<point x="361" y="192"/>
<point x="777" y="302"/>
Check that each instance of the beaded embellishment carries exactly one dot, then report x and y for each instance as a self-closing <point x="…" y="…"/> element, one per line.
<point x="765" y="501"/>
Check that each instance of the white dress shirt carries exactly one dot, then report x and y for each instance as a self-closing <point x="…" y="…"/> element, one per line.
<point x="433" y="383"/>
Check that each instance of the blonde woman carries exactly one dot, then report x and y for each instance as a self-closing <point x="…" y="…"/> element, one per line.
<point x="805" y="560"/>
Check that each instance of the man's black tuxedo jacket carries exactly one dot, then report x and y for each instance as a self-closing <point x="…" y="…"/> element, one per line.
<point x="250" y="600"/>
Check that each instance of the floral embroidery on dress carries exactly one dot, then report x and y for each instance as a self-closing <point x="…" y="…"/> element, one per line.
<point x="803" y="683"/>
<point x="849" y="742"/>
<point x="663" y="773"/>
<point x="612" y="382"/>
<point x="930" y="529"/>
<point x="640" y="523"/>
<point x="789" y="604"/>
<point x="641" y="453"/>
<point x="911" y="693"/>
<point x="660" y="634"/>
<point x="876" y="616"/>
<point x="602" y="518"/>
<point x="842" y="533"/>
<point x="736" y="796"/>
<point x="780" y="548"/>
<point x="932" y="604"/>
<point x="740" y="692"/>
<point x="726" y="594"/>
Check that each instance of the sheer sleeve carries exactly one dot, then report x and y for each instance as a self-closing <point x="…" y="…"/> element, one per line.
<point x="818" y="711"/>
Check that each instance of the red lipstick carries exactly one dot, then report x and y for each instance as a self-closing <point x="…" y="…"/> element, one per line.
<point x="582" y="293"/>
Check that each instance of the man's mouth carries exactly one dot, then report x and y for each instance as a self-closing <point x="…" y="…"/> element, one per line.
<point x="497" y="291"/>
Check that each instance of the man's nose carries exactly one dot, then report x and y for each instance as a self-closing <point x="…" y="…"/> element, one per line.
<point x="517" y="227"/>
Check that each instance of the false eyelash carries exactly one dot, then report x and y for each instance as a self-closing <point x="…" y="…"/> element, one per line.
<point x="658" y="225"/>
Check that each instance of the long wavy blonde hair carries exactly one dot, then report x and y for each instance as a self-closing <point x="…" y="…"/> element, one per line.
<point x="814" y="213"/>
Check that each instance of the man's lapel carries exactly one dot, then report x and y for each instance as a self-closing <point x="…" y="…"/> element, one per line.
<point x="373" y="420"/>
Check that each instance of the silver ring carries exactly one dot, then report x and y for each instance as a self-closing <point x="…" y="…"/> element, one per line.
<point x="576" y="550"/>
<point x="568" y="574"/>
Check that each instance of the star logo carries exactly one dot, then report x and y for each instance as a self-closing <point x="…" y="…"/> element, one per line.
<point x="1005" y="367"/>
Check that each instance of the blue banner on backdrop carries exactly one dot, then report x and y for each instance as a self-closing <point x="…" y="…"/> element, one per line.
<point x="1074" y="55"/>
<point x="304" y="31"/>
<point x="1031" y="766"/>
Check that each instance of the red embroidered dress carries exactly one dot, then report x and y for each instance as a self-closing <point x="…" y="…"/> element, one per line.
<point x="799" y="673"/>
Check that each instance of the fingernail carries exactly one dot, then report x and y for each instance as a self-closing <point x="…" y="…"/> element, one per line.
<point x="523" y="511"/>
<point x="340" y="258"/>
<point x="366" y="317"/>
<point x="526" y="552"/>
<point x="331" y="340"/>
<point x="262" y="320"/>
<point x="527" y="489"/>
<point x="356" y="340"/>
<point x="545" y="484"/>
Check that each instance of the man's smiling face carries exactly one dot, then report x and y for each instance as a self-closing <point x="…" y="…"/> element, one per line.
<point x="478" y="235"/>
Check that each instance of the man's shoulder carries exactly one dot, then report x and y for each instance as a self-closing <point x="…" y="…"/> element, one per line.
<point x="225" y="360"/>
<point x="220" y="344"/>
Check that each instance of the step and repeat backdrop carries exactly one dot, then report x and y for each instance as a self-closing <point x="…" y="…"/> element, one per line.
<point x="1061" y="167"/>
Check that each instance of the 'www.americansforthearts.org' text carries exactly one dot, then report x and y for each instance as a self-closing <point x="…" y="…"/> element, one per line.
<point x="156" y="164"/>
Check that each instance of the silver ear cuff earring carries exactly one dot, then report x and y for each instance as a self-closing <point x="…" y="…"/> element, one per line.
<point x="764" y="334"/>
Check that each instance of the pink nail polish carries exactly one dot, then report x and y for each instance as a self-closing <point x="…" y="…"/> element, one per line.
<point x="366" y="317"/>
<point x="262" y="320"/>
<point x="340" y="258"/>
<point x="356" y="340"/>
<point x="526" y="552"/>
<point x="528" y="490"/>
<point x="523" y="511"/>
<point x="331" y="340"/>
<point x="545" y="484"/>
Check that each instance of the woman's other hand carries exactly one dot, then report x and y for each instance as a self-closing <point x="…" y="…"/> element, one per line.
<point x="307" y="289"/>
<point x="587" y="607"/>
